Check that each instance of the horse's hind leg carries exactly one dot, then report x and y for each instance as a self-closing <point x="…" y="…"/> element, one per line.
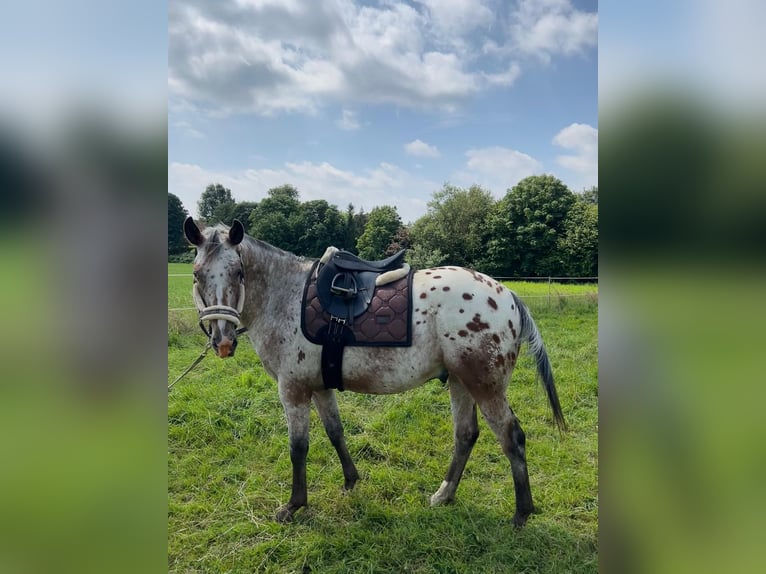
<point x="506" y="427"/>
<point x="466" y="431"/>
<point x="297" y="405"/>
<point x="327" y="407"/>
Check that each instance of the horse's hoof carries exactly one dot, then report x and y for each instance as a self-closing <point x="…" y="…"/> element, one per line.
<point x="350" y="483"/>
<point x="520" y="520"/>
<point x="285" y="514"/>
<point x="442" y="496"/>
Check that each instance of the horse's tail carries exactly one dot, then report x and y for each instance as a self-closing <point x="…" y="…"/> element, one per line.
<point x="530" y="334"/>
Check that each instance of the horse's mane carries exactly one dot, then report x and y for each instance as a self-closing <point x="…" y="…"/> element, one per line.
<point x="214" y="234"/>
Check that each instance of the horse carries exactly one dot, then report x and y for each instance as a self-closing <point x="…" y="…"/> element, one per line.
<point x="467" y="329"/>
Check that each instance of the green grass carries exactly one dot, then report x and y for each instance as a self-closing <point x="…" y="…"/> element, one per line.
<point x="229" y="468"/>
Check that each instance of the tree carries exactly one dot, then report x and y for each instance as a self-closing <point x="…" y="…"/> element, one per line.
<point x="456" y="224"/>
<point x="578" y="247"/>
<point x="319" y="225"/>
<point x="215" y="204"/>
<point x="354" y="223"/>
<point x="276" y="218"/>
<point x="526" y="228"/>
<point x="422" y="257"/>
<point x="176" y="215"/>
<point x="590" y="195"/>
<point x="401" y="240"/>
<point x="242" y="212"/>
<point x="379" y="232"/>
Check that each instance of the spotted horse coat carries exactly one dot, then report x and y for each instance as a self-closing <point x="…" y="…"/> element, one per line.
<point x="464" y="323"/>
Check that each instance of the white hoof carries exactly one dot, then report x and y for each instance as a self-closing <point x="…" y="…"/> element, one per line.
<point x="442" y="496"/>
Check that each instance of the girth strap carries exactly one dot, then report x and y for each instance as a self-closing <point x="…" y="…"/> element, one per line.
<point x="338" y="335"/>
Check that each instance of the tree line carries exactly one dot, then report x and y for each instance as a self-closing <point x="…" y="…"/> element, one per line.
<point x="539" y="228"/>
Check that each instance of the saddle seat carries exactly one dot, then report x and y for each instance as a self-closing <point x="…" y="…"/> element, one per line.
<point x="346" y="283"/>
<point x="350" y="262"/>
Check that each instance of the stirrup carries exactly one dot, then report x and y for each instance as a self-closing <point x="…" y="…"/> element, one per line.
<point x="345" y="292"/>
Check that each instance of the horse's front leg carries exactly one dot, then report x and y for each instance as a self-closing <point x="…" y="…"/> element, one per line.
<point x="327" y="407"/>
<point x="296" y="403"/>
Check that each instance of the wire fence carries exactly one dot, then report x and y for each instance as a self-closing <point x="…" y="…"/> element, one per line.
<point x="551" y="295"/>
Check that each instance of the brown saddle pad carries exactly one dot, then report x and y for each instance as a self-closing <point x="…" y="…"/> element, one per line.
<point x="386" y="323"/>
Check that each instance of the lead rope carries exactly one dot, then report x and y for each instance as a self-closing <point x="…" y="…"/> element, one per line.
<point x="199" y="359"/>
<point x="212" y="312"/>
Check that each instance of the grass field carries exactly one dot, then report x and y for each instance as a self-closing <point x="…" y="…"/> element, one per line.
<point x="229" y="465"/>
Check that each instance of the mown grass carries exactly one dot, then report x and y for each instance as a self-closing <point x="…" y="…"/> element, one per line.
<point x="229" y="468"/>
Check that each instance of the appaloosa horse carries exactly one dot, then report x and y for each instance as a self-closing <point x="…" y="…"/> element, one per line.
<point x="465" y="324"/>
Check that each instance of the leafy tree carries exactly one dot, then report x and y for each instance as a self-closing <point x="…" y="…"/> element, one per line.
<point x="176" y="215"/>
<point x="526" y="228"/>
<point x="242" y="212"/>
<point x="354" y="223"/>
<point x="400" y="241"/>
<point x="320" y="225"/>
<point x="276" y="218"/>
<point x="422" y="257"/>
<point x="215" y="204"/>
<point x="590" y="195"/>
<point x="578" y="246"/>
<point x="379" y="232"/>
<point x="457" y="224"/>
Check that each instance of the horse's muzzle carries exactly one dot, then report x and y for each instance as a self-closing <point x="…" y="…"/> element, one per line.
<point x="224" y="346"/>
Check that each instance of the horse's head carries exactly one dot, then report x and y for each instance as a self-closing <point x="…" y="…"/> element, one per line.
<point x="219" y="281"/>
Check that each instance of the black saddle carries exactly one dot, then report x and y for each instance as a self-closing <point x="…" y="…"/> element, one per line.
<point x="345" y="286"/>
<point x="346" y="283"/>
<point x="350" y="262"/>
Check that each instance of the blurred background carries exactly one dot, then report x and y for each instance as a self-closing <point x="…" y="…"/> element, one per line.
<point x="682" y="113"/>
<point x="83" y="160"/>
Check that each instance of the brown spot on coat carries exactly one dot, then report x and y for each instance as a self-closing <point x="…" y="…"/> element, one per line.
<point x="437" y="276"/>
<point x="301" y="355"/>
<point x="462" y="310"/>
<point x="423" y="295"/>
<point x="467" y="296"/>
<point x="499" y="361"/>
<point x="433" y="288"/>
<point x="445" y="288"/>
<point x="477" y="324"/>
<point x="492" y="303"/>
<point x="495" y="338"/>
<point x="463" y="333"/>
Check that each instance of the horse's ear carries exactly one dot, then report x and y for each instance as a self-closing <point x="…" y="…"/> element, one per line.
<point x="192" y="232"/>
<point x="236" y="233"/>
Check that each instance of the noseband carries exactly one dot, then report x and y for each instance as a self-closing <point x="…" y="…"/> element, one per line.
<point x="214" y="312"/>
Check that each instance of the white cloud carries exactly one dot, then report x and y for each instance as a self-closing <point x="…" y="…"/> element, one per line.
<point x="270" y="58"/>
<point x="348" y="121"/>
<point x="506" y="78"/>
<point x="382" y="184"/>
<point x="421" y="149"/>
<point x="496" y="168"/>
<point x="187" y="129"/>
<point x="582" y="140"/>
<point x="458" y="17"/>
<point x="550" y="27"/>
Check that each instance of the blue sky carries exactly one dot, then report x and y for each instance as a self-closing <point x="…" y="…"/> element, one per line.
<point x="377" y="103"/>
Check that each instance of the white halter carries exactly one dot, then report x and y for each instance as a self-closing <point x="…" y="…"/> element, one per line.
<point x="213" y="312"/>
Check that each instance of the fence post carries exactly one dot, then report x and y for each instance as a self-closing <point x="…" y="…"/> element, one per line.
<point x="549" y="292"/>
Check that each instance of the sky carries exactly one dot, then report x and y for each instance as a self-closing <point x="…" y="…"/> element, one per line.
<point x="380" y="102"/>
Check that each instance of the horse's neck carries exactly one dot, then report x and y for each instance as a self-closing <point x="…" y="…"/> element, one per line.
<point x="272" y="278"/>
